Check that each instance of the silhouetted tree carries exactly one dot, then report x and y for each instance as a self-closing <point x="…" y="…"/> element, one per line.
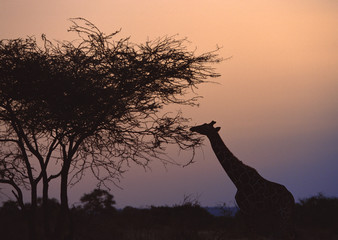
<point x="98" y="201"/>
<point x="95" y="103"/>
<point x="10" y="206"/>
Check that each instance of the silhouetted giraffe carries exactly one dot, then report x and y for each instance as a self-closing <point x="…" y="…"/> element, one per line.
<point x="256" y="197"/>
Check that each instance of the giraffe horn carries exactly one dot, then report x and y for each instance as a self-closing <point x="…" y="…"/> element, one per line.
<point x="212" y="123"/>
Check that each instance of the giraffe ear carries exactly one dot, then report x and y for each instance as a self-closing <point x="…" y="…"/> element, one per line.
<point x="217" y="129"/>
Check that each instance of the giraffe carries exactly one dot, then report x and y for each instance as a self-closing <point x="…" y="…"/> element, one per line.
<point x="257" y="198"/>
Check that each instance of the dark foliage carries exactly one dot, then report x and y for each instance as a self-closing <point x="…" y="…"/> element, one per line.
<point x="98" y="202"/>
<point x="318" y="211"/>
<point x="316" y="219"/>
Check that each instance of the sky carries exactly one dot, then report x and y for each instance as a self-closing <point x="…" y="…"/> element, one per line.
<point x="276" y="101"/>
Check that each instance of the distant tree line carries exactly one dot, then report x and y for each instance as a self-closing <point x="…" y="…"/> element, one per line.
<point x="97" y="218"/>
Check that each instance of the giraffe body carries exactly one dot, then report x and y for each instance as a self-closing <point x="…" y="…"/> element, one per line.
<point x="257" y="198"/>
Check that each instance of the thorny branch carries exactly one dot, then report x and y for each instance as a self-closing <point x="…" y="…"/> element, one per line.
<point x="94" y="104"/>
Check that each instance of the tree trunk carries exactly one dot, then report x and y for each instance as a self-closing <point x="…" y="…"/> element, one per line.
<point x="30" y="215"/>
<point x="45" y="208"/>
<point x="64" y="229"/>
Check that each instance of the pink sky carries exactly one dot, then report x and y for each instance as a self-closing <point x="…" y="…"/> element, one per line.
<point x="277" y="100"/>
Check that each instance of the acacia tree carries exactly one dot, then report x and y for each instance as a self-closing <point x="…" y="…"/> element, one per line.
<point x="95" y="103"/>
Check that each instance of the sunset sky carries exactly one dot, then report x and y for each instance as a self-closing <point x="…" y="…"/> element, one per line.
<point x="276" y="101"/>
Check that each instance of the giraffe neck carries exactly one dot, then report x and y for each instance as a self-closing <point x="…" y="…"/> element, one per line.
<point x="231" y="165"/>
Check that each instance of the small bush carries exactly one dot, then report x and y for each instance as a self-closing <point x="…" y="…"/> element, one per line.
<point x="318" y="211"/>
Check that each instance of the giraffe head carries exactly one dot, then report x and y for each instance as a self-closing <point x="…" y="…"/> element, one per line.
<point x="206" y="128"/>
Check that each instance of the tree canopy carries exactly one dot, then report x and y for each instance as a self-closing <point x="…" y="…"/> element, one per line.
<point x="98" y="201"/>
<point x="93" y="103"/>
